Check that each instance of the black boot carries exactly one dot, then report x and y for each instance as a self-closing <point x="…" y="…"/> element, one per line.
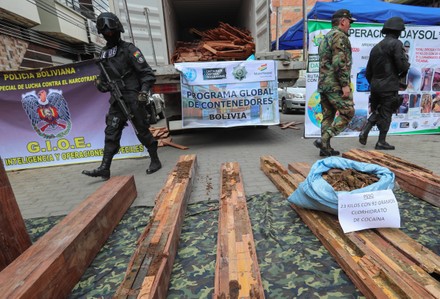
<point x="332" y="152"/>
<point x="155" y="164"/>
<point x="102" y="171"/>
<point x="382" y="144"/>
<point x="324" y="146"/>
<point x="364" y="133"/>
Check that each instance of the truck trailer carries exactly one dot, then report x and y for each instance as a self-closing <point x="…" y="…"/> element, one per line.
<point x="155" y="27"/>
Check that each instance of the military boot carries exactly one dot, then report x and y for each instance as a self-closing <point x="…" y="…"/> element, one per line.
<point x="382" y="144"/>
<point x="102" y="171"/>
<point x="324" y="146"/>
<point x="155" y="164"/>
<point x="364" y="133"/>
<point x="331" y="150"/>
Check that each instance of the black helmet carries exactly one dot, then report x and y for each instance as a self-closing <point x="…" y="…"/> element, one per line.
<point x="394" y="24"/>
<point x="109" y="20"/>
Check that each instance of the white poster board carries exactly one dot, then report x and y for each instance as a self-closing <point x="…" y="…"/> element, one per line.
<point x="229" y="93"/>
<point x="420" y="111"/>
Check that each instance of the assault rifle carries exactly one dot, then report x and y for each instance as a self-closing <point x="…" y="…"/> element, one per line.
<point x="117" y="94"/>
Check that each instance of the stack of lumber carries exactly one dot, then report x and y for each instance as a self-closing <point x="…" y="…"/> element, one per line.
<point x="237" y="274"/>
<point x="290" y="125"/>
<point x="14" y="237"/>
<point x="222" y="43"/>
<point x="150" y="267"/>
<point x="162" y="135"/>
<point x="382" y="263"/>
<point x="419" y="181"/>
<point x="54" y="264"/>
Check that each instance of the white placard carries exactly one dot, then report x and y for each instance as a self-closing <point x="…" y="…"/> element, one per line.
<point x="368" y="210"/>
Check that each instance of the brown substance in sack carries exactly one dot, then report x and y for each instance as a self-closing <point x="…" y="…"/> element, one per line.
<point x="348" y="179"/>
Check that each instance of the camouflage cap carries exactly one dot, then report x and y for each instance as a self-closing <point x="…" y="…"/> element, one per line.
<point x="343" y="13"/>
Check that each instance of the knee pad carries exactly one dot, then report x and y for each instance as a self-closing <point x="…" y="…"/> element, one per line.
<point x="113" y="123"/>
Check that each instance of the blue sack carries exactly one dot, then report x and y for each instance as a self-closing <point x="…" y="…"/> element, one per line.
<point x="317" y="194"/>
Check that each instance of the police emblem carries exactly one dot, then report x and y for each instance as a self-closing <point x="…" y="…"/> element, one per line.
<point x="48" y="113"/>
<point x="239" y="72"/>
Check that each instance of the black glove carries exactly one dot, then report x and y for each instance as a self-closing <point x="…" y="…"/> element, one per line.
<point x="102" y="85"/>
<point x="144" y="97"/>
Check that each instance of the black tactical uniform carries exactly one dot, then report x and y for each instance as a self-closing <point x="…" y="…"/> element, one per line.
<point x="124" y="64"/>
<point x="387" y="66"/>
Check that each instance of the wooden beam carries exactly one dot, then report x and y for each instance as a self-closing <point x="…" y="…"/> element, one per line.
<point x="419" y="254"/>
<point x="52" y="266"/>
<point x="14" y="238"/>
<point x="237" y="274"/>
<point x="419" y="181"/>
<point x="149" y="270"/>
<point x="376" y="266"/>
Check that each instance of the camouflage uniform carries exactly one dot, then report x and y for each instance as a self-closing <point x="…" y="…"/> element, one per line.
<point x="334" y="73"/>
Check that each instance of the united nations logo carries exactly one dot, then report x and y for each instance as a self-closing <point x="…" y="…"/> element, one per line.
<point x="239" y="72"/>
<point x="190" y="74"/>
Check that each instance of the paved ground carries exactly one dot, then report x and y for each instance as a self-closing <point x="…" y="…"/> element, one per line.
<point x="57" y="190"/>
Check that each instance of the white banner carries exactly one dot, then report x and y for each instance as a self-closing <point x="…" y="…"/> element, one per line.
<point x="360" y="211"/>
<point x="420" y="111"/>
<point x="229" y="93"/>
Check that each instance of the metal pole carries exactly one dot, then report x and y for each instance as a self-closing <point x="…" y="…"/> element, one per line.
<point x="277" y="28"/>
<point x="151" y="35"/>
<point x="305" y="31"/>
<point x="130" y="29"/>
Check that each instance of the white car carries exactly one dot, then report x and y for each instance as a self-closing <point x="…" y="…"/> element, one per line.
<point x="292" y="99"/>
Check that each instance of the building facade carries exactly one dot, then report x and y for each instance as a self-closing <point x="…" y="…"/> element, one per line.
<point x="43" y="33"/>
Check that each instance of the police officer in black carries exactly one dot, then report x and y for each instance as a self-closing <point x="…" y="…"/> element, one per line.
<point x="386" y="69"/>
<point x="125" y="64"/>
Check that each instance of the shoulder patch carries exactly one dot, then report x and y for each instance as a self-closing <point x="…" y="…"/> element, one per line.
<point x="139" y="57"/>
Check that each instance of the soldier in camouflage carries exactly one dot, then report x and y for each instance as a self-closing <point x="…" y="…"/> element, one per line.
<point x="334" y="81"/>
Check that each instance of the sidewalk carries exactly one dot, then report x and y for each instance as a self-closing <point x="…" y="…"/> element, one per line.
<point x="57" y="190"/>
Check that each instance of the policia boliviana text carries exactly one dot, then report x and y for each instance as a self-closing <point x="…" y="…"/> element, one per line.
<point x="126" y="65"/>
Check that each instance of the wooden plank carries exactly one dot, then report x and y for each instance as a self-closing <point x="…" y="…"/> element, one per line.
<point x="150" y="267"/>
<point x="237" y="273"/>
<point x="422" y="256"/>
<point x="168" y="142"/>
<point x="52" y="266"/>
<point x="209" y="48"/>
<point x="286" y="125"/>
<point x="419" y="181"/>
<point x="396" y="255"/>
<point x="375" y="274"/>
<point x="400" y="270"/>
<point x="14" y="238"/>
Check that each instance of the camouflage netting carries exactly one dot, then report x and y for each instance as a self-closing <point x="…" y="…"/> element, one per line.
<point x="292" y="261"/>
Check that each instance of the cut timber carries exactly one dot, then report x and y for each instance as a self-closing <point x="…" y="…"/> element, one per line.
<point x="161" y="134"/>
<point x="420" y="255"/>
<point x="14" y="237"/>
<point x="376" y="266"/>
<point x="419" y="181"/>
<point x="222" y="43"/>
<point x="290" y="125"/>
<point x="237" y="274"/>
<point x="149" y="271"/>
<point x="168" y="142"/>
<point x="52" y="266"/>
